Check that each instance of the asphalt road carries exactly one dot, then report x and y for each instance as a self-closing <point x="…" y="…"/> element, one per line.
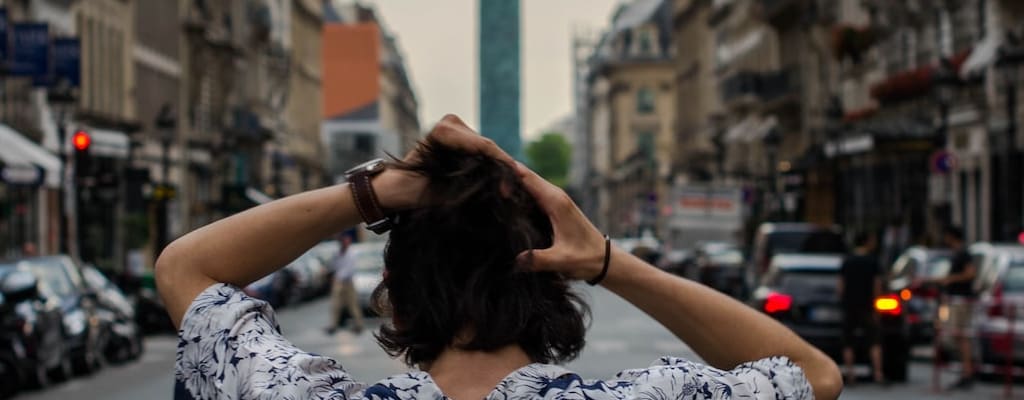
<point x="621" y="337"/>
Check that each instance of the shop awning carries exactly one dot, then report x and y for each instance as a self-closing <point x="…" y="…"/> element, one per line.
<point x="733" y="50"/>
<point x="257" y="196"/>
<point x="108" y="143"/>
<point x="16" y="151"/>
<point x="983" y="55"/>
<point x="762" y="129"/>
<point x="742" y="129"/>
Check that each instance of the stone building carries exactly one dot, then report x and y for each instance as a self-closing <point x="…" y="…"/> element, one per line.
<point x="631" y="118"/>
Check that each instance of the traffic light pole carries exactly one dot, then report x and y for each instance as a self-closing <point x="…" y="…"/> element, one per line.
<point x="63" y="191"/>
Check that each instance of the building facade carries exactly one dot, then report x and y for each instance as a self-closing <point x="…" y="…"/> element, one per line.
<point x="369" y="104"/>
<point x="631" y="118"/>
<point x="499" y="52"/>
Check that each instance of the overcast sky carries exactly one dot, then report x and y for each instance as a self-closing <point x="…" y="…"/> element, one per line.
<point x="439" y="40"/>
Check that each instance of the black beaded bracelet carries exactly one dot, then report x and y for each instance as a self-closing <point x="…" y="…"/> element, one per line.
<point x="607" y="257"/>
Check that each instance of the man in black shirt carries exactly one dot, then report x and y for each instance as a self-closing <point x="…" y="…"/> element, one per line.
<point x="859" y="284"/>
<point x="960" y="298"/>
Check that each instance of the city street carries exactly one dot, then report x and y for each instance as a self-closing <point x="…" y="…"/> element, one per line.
<point x="620" y="337"/>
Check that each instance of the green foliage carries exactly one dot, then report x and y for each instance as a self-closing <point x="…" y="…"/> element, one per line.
<point x="550" y="156"/>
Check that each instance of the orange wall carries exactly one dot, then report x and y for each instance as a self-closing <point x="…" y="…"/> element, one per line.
<point x="351" y="67"/>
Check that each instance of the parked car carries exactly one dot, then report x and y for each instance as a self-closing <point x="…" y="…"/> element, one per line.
<point x="908" y="277"/>
<point x="117" y="314"/>
<point x="998" y="306"/>
<point x="777" y="238"/>
<point x="720" y="265"/>
<point x="61" y="282"/>
<point x="369" y="260"/>
<point x="32" y="348"/>
<point x="801" y="291"/>
<point x="275" y="288"/>
<point x="983" y="256"/>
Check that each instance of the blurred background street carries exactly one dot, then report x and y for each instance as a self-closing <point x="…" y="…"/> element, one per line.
<point x="744" y="144"/>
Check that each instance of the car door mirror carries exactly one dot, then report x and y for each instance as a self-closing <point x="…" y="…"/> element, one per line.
<point x="19" y="285"/>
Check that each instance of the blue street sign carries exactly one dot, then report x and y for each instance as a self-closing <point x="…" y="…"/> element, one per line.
<point x="31" y="52"/>
<point x="3" y="35"/>
<point x="67" y="60"/>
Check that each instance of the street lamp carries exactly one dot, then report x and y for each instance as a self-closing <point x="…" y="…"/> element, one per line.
<point x="165" y="124"/>
<point x="771" y="142"/>
<point x="61" y="98"/>
<point x="1009" y="61"/>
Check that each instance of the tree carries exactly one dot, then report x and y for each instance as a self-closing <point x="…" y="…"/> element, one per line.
<point x="549" y="156"/>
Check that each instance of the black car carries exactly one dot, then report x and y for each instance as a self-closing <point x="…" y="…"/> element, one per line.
<point x="909" y="278"/>
<point x="777" y="238"/>
<point x="117" y="315"/>
<point x="32" y="350"/>
<point x="801" y="291"/>
<point x="60" y="281"/>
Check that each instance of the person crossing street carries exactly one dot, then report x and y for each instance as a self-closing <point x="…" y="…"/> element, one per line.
<point x="343" y="290"/>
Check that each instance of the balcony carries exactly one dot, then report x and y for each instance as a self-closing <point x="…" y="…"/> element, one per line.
<point x="773" y="88"/>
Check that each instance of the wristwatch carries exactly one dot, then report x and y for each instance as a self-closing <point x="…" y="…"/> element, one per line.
<point x="359" y="178"/>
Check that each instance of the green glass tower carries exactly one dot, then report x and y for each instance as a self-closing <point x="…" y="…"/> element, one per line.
<point x="499" y="73"/>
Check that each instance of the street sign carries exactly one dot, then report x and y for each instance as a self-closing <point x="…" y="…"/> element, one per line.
<point x="31" y="53"/>
<point x="942" y="162"/>
<point x="22" y="175"/>
<point x="3" y="35"/>
<point x="67" y="59"/>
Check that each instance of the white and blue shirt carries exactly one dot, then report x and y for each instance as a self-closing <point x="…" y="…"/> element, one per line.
<point x="230" y="347"/>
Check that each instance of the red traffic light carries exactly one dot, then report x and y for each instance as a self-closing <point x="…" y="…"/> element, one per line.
<point x="81" y="141"/>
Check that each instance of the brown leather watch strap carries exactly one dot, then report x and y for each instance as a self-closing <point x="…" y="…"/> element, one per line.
<point x="367" y="204"/>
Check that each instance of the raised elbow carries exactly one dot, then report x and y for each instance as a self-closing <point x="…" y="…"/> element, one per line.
<point x="168" y="266"/>
<point x="829" y="382"/>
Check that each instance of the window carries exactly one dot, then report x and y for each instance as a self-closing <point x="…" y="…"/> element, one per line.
<point x="645" y="144"/>
<point x="645" y="100"/>
<point x="645" y="42"/>
<point x="363" y="143"/>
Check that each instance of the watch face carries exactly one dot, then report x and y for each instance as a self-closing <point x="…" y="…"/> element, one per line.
<point x="367" y="167"/>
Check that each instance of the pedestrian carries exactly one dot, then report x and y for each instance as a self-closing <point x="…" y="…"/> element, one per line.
<point x="860" y="283"/>
<point x="28" y="249"/>
<point x="960" y="297"/>
<point x="476" y="289"/>
<point x="343" y="290"/>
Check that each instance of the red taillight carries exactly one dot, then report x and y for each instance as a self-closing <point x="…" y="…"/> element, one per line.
<point x="888" y="305"/>
<point x="777" y="302"/>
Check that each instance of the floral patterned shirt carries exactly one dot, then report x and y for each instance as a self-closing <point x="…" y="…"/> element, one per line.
<point x="230" y="347"/>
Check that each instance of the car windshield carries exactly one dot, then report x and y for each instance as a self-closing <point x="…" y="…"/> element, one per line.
<point x="938" y="267"/>
<point x="1014" y="280"/>
<point x="801" y="280"/>
<point x="53" y="279"/>
<point x="727" y="257"/>
<point x="807" y="242"/>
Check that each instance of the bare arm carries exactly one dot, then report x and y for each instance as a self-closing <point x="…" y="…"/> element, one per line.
<point x="721" y="330"/>
<point x="245" y="247"/>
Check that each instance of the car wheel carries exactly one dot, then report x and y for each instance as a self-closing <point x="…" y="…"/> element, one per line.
<point x="38" y="377"/>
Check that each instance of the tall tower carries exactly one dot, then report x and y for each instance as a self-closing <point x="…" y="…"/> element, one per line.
<point x="499" y="73"/>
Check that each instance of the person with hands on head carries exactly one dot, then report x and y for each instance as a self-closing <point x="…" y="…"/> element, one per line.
<point x="476" y="294"/>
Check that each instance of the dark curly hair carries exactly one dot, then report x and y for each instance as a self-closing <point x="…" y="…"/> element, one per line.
<point x="451" y="278"/>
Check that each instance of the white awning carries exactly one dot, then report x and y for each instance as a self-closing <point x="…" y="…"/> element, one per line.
<point x="19" y="152"/>
<point x="257" y="196"/>
<point x="734" y="49"/>
<point x="762" y="129"/>
<point x="740" y="130"/>
<point x="982" y="56"/>
<point x="108" y="143"/>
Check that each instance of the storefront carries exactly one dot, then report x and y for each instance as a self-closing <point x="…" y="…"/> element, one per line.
<point x="29" y="190"/>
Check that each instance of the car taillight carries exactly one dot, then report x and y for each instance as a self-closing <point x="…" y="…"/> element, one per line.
<point x="995" y="309"/>
<point x="888" y="305"/>
<point x="777" y="302"/>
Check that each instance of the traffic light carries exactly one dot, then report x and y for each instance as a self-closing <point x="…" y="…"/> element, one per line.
<point x="81" y="141"/>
